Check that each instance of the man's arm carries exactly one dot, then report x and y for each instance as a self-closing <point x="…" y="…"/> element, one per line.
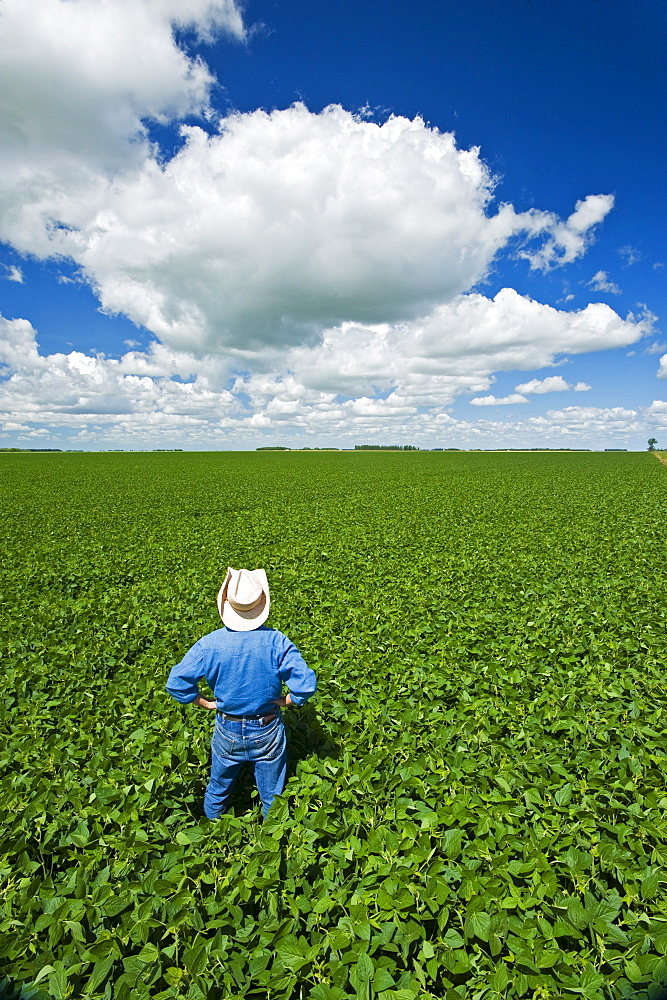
<point x="183" y="682"/>
<point x="295" y="672"/>
<point x="204" y="702"/>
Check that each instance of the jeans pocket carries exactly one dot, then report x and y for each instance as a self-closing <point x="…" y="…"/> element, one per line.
<point x="222" y="743"/>
<point x="269" y="744"/>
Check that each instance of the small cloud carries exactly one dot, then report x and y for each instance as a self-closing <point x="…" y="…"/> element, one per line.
<point x="630" y="255"/>
<point x="570" y="239"/>
<point x="64" y="280"/>
<point x="132" y="343"/>
<point x="582" y="387"/>
<point x="515" y="397"/>
<point x="658" y="265"/>
<point x="554" y="383"/>
<point x="14" y="273"/>
<point x="655" y="348"/>
<point x="567" y="294"/>
<point x="600" y="283"/>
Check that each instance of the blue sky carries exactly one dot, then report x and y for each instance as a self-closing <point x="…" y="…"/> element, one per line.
<point x="466" y="250"/>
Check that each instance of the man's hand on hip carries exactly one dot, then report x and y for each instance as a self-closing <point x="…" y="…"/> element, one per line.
<point x="205" y="703"/>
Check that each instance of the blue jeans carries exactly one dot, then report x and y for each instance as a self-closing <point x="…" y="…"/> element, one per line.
<point x="239" y="741"/>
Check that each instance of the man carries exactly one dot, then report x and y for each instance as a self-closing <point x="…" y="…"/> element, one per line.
<point x="245" y="664"/>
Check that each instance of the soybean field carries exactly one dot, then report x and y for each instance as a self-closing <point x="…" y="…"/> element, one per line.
<point x="477" y="798"/>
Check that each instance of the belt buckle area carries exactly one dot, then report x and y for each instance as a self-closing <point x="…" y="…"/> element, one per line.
<point x="225" y="716"/>
<point x="262" y="719"/>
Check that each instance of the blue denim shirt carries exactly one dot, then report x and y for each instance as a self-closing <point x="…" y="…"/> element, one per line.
<point x="245" y="671"/>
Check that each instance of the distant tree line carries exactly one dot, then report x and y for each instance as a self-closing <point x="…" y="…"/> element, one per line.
<point x="385" y="447"/>
<point x="282" y="447"/>
<point x="538" y="449"/>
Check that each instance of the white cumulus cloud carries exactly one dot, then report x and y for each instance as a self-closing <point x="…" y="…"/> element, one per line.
<point x="570" y="239"/>
<point x="600" y="282"/>
<point x="285" y="223"/>
<point x="78" y="79"/>
<point x="656" y="416"/>
<point x="492" y="400"/>
<point x="553" y="383"/>
<point x="403" y="377"/>
<point x="14" y="273"/>
<point x="65" y="391"/>
<point x="591" y="420"/>
<point x="457" y="344"/>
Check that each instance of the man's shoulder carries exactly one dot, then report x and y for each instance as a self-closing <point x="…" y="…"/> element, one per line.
<point x="214" y="638"/>
<point x="266" y="636"/>
<point x="256" y="636"/>
<point x="274" y="634"/>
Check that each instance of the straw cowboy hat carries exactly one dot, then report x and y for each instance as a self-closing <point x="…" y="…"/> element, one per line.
<point x="243" y="600"/>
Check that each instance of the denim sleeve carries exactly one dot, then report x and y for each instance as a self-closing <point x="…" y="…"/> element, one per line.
<point x="182" y="683"/>
<point x="295" y="672"/>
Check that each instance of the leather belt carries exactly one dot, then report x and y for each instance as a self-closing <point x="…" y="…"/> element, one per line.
<point x="245" y="718"/>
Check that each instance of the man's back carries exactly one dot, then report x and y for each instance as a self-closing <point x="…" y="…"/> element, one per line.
<point x="245" y="670"/>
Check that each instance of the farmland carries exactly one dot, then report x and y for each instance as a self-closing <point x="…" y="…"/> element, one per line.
<point x="477" y="798"/>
